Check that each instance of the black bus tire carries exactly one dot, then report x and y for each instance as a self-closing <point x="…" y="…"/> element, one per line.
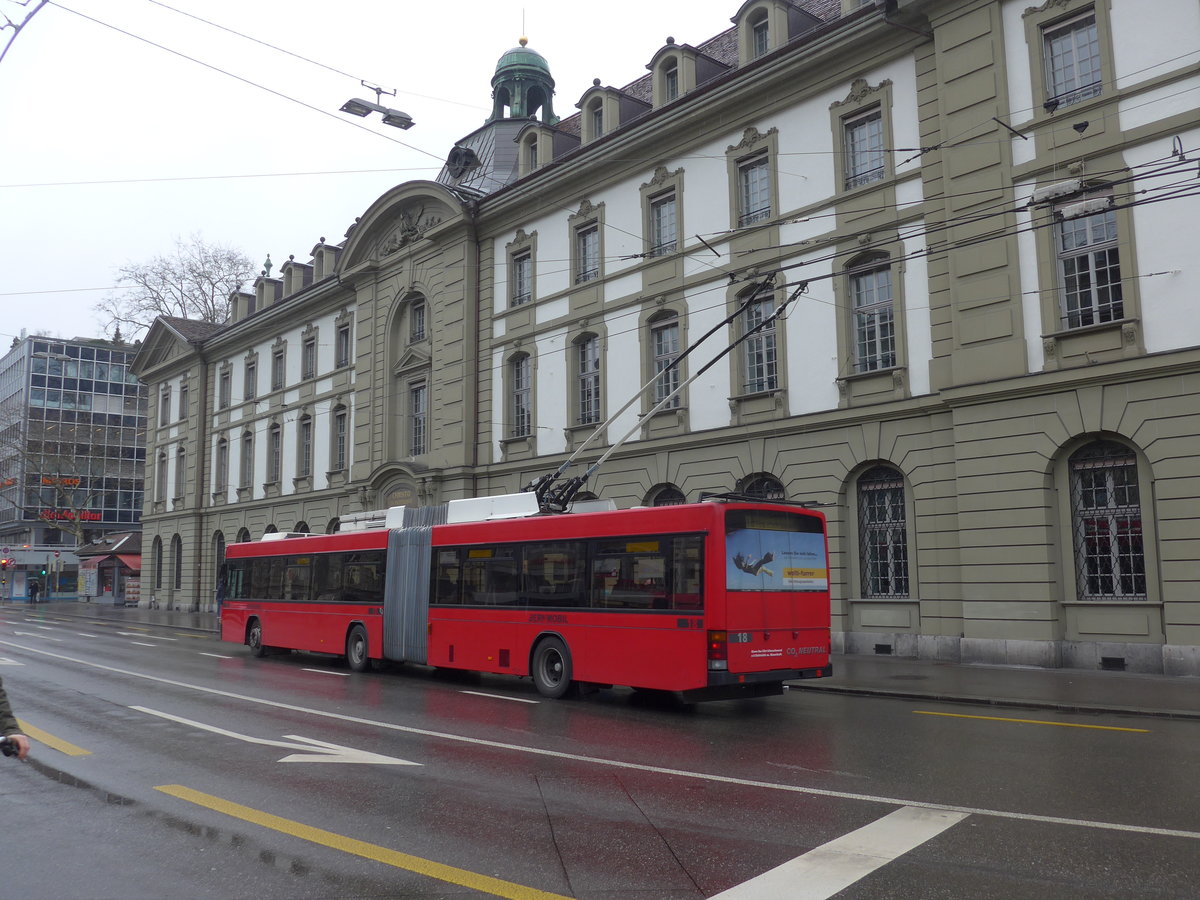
<point x="254" y="639"/>
<point x="552" y="668"/>
<point x="358" y="650"/>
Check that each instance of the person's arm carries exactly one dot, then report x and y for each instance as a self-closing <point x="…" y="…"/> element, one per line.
<point x="9" y="727"/>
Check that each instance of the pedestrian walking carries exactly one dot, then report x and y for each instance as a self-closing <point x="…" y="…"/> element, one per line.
<point x="34" y="588"/>
<point x="9" y="728"/>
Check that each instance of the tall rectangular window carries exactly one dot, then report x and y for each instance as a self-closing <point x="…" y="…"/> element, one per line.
<point x="587" y="253"/>
<point x="274" y="453"/>
<point x="1072" y="56"/>
<point x="416" y="321"/>
<point x="1089" y="270"/>
<point x="521" y="397"/>
<point x="863" y="139"/>
<point x="760" y="370"/>
<point x="664" y="337"/>
<point x="670" y="83"/>
<point x="305" y="456"/>
<point x="662" y="225"/>
<point x="183" y="402"/>
<point x="874" y="320"/>
<point x="164" y="406"/>
<point x="277" y="370"/>
<point x="754" y="182"/>
<point x="246" y="476"/>
<point x="340" y="424"/>
<point x="180" y="471"/>
<point x="224" y="392"/>
<point x="222" y="465"/>
<point x="418" y="418"/>
<point x="522" y="278"/>
<point x="251" y="380"/>
<point x="760" y="37"/>
<point x="343" y="346"/>
<point x="308" y="358"/>
<point x="587" y="380"/>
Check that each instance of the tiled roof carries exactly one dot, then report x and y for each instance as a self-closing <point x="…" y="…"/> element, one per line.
<point x="191" y="329"/>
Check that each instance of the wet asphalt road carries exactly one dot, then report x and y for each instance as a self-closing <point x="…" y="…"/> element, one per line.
<point x="170" y="765"/>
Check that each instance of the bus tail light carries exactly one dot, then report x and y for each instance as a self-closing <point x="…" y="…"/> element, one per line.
<point x="718" y="651"/>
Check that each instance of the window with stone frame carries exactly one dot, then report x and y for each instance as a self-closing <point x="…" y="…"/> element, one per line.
<point x="308" y="358"/>
<point x="164" y="405"/>
<point x="762" y="487"/>
<point x="760" y="36"/>
<point x="587" y="252"/>
<point x="250" y="380"/>
<point x="342" y="345"/>
<point x="160" y="476"/>
<point x="521" y="269"/>
<point x="520" y="396"/>
<point x="1089" y="266"/>
<point x="180" y="471"/>
<point x="666" y="495"/>
<point x="882" y="534"/>
<point x="754" y="190"/>
<point x="587" y="380"/>
<point x="665" y="347"/>
<point x="224" y="389"/>
<point x="221" y="466"/>
<point x="418" y="418"/>
<point x="278" y="368"/>
<point x="183" y="402"/>
<point x="340" y="438"/>
<point x="246" y="469"/>
<point x="274" y="453"/>
<point x="304" y="448"/>
<point x="1072" y="59"/>
<point x="760" y="371"/>
<point x="416" y="320"/>
<point x="663" y="224"/>
<point x="1106" y="511"/>
<point x="863" y="148"/>
<point x="873" y="317"/>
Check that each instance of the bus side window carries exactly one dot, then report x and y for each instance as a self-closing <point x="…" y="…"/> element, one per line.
<point x="447" y="578"/>
<point x="687" y="573"/>
<point x="554" y="574"/>
<point x="327" y="578"/>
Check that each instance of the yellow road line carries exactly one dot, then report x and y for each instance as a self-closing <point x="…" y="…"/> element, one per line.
<point x="461" y="877"/>
<point x="923" y="712"/>
<point x="50" y="740"/>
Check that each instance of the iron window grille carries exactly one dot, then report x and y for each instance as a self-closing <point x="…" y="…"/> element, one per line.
<point x="763" y="487"/>
<point x="1110" y="561"/>
<point x="883" y="534"/>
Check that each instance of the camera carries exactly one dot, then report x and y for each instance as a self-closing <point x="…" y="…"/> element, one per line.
<point x="7" y="747"/>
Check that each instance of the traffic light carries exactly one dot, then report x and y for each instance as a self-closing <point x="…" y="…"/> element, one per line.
<point x="43" y="570"/>
<point x="3" y="565"/>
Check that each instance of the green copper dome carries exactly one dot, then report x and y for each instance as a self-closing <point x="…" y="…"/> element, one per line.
<point x="521" y="58"/>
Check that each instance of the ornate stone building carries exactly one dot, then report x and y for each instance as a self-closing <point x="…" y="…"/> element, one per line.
<point x="987" y="372"/>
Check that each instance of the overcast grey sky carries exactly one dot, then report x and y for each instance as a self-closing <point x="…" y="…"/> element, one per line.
<point x="111" y="146"/>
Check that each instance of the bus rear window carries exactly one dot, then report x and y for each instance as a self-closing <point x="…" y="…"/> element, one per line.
<point x="774" y="550"/>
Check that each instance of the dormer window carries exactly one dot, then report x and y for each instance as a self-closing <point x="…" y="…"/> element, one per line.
<point x="760" y="37"/>
<point x="596" y="118"/>
<point x="670" y="81"/>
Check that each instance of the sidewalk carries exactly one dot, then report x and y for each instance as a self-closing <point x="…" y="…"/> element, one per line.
<point x="999" y="687"/>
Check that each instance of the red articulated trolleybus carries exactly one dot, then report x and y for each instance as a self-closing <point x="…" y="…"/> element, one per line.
<point x="718" y="599"/>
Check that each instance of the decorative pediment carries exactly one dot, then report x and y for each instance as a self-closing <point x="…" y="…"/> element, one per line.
<point x="861" y="92"/>
<point x="413" y="359"/>
<point x="662" y="176"/>
<point x="751" y="138"/>
<point x="1045" y="7"/>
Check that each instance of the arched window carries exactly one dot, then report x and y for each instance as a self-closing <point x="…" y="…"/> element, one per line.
<point x="332" y="526"/>
<point x="157" y="557"/>
<point x="301" y="527"/>
<point x="1106" y="512"/>
<point x="882" y="534"/>
<point x="762" y="487"/>
<point x="665" y="495"/>
<point x="243" y="535"/>
<point x="177" y="562"/>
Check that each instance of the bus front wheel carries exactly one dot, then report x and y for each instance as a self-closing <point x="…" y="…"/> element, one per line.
<point x="357" y="650"/>
<point x="552" y="668"/>
<point x="254" y="639"/>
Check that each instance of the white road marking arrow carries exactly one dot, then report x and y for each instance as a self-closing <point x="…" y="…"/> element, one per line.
<point x="5" y="661"/>
<point x="318" y="751"/>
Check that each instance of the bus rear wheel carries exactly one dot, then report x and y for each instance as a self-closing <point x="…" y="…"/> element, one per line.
<point x="254" y="639"/>
<point x="552" y="668"/>
<point x="358" y="650"/>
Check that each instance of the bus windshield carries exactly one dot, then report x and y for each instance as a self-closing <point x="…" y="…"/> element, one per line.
<point x="774" y="550"/>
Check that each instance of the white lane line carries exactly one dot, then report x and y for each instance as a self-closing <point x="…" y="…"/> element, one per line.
<point x="216" y="655"/>
<point x="143" y="644"/>
<point x="619" y="764"/>
<point x="85" y="634"/>
<point x="824" y="871"/>
<point x="499" y="697"/>
<point x="327" y="672"/>
<point x="5" y="661"/>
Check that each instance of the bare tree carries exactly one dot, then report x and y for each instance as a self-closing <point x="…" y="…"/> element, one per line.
<point x="195" y="282"/>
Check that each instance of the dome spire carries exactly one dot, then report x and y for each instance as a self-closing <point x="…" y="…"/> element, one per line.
<point x="523" y="85"/>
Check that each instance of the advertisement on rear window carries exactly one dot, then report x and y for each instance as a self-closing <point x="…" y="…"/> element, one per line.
<point x="773" y="560"/>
